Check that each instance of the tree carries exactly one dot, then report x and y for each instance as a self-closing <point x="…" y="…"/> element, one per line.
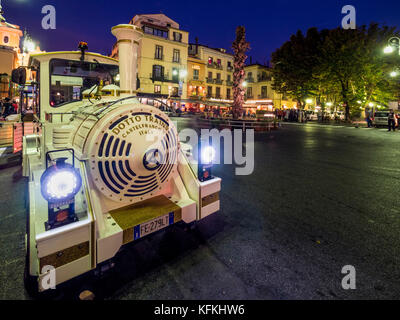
<point x="240" y="46"/>
<point x="338" y="65"/>
<point x="294" y="66"/>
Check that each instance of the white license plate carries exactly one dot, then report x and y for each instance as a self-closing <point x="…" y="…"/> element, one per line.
<point x="154" y="225"/>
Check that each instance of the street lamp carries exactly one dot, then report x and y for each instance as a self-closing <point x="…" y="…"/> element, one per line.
<point x="394" y="42"/>
<point x="182" y="74"/>
<point x="244" y="84"/>
<point x="393" y="74"/>
<point x="308" y="101"/>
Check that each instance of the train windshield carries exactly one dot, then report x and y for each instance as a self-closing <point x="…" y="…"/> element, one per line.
<point x="72" y="80"/>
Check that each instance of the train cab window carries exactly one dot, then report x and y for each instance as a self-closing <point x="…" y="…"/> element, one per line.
<point x="71" y="80"/>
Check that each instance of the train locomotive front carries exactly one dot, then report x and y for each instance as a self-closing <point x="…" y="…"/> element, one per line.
<point x="103" y="171"/>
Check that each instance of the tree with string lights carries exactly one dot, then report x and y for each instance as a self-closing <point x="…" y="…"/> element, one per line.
<point x="240" y="46"/>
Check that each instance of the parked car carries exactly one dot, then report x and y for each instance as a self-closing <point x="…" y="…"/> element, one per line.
<point x="312" y="115"/>
<point x="337" y="114"/>
<point x="380" y="118"/>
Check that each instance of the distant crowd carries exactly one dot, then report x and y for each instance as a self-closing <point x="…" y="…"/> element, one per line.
<point x="292" y="115"/>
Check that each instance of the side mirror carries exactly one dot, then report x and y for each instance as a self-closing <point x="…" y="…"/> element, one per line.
<point x="19" y="76"/>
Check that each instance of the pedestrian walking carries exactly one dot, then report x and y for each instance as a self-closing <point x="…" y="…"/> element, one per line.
<point x="391" y="121"/>
<point x="368" y="119"/>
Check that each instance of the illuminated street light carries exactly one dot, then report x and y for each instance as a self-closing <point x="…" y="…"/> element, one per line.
<point x="308" y="101"/>
<point x="394" y="42"/>
<point x="393" y="74"/>
<point x="183" y="73"/>
<point x="244" y="84"/>
<point x="329" y="104"/>
<point x="388" y="49"/>
<point x="371" y="104"/>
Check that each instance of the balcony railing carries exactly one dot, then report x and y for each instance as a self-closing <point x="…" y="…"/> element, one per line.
<point x="265" y="78"/>
<point x="263" y="96"/>
<point x="229" y="68"/>
<point x="218" y="81"/>
<point x="229" y="82"/>
<point x="159" y="56"/>
<point x="250" y="80"/>
<point x="215" y="65"/>
<point x="209" y="80"/>
<point x="163" y="78"/>
<point x="176" y="60"/>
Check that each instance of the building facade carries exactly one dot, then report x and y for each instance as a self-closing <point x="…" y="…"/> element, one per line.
<point x="162" y="56"/>
<point x="10" y="36"/>
<point x="218" y="72"/>
<point x="259" y="91"/>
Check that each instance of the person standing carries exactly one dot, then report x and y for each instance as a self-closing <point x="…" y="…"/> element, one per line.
<point x="391" y="120"/>
<point x="8" y="108"/>
<point x="368" y="118"/>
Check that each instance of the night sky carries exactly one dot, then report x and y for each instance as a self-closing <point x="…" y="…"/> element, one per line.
<point x="268" y="23"/>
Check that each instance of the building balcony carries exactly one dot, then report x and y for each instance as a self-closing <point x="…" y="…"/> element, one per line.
<point x="229" y="83"/>
<point x="164" y="78"/>
<point x="250" y="80"/>
<point x="176" y="60"/>
<point x="209" y="80"/>
<point x="215" y="65"/>
<point x="229" y="68"/>
<point x="247" y="97"/>
<point x="263" y="96"/>
<point x="159" y="57"/>
<point x="218" y="81"/>
<point x="262" y="79"/>
<point x="154" y="77"/>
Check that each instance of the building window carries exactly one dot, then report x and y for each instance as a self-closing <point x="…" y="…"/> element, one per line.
<point x="195" y="74"/>
<point x="158" y="72"/>
<point x="264" y="91"/>
<point x="159" y="53"/>
<point x="148" y="30"/>
<point x="249" y="92"/>
<point x="210" y="61"/>
<point x="228" y="93"/>
<point x="178" y="36"/>
<point x="228" y="78"/>
<point x="176" y="56"/>
<point x="218" y="92"/>
<point x="229" y="65"/>
<point x="6" y="39"/>
<point x="175" y="75"/>
<point x="155" y="32"/>
<point x="218" y="76"/>
<point x="209" y="91"/>
<point x="175" y="92"/>
<point x="157" y="89"/>
<point x="219" y="62"/>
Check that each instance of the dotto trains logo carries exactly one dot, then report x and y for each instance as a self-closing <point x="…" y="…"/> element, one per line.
<point x="143" y="123"/>
<point x="153" y="159"/>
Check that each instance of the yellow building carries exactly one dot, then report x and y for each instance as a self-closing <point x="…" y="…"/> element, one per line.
<point x="259" y="91"/>
<point x="162" y="56"/>
<point x="9" y="53"/>
<point x="196" y="89"/>
<point x="217" y="67"/>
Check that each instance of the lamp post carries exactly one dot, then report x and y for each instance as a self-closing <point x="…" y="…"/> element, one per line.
<point x="393" y="42"/>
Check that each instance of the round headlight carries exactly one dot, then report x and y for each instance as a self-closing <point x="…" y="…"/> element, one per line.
<point x="60" y="183"/>
<point x="207" y="155"/>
